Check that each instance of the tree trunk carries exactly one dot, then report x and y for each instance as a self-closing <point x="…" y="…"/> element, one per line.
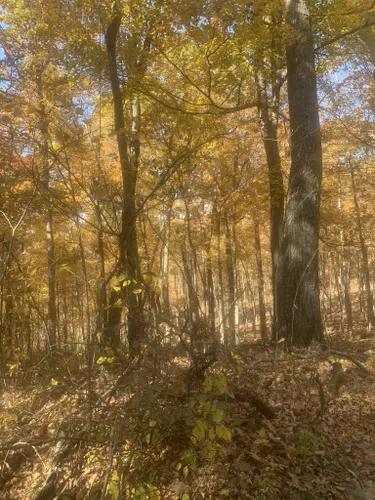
<point x="302" y="322"/>
<point x="262" y="307"/>
<point x="347" y="294"/>
<point x="52" y="311"/>
<point x="102" y="288"/>
<point x="164" y="268"/>
<point x="193" y="307"/>
<point x="129" y="259"/>
<point x="210" y="293"/>
<point x="164" y="264"/>
<point x="345" y="268"/>
<point x="9" y="340"/>
<point x="268" y="118"/>
<point x="364" y="252"/>
<point x="220" y="294"/>
<point x="231" y="282"/>
<point x="45" y="183"/>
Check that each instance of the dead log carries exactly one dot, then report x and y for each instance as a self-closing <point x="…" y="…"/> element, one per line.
<point x="349" y="357"/>
<point x="246" y="396"/>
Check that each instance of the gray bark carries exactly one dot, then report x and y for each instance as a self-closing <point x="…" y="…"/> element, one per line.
<point x="302" y="322"/>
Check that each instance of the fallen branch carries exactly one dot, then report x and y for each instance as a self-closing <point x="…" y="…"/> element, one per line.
<point x="237" y="396"/>
<point x="349" y="357"/>
<point x="19" y="445"/>
<point x="245" y="396"/>
<point x="49" y="490"/>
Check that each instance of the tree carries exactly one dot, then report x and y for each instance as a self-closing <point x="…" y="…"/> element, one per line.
<point x="129" y="258"/>
<point x="301" y="316"/>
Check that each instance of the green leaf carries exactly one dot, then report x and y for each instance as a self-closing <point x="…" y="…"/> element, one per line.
<point x="198" y="433"/>
<point x="262" y="433"/>
<point x="185" y="496"/>
<point x="189" y="455"/>
<point x="217" y="414"/>
<point x="207" y="384"/>
<point x="222" y="385"/>
<point x="105" y="359"/>
<point x="140" y="493"/>
<point x="202" y="424"/>
<point x="113" y="488"/>
<point x="211" y="434"/>
<point x="223" y="432"/>
<point x="154" y="494"/>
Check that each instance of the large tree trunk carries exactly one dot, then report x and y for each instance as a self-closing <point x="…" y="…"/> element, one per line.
<point x="302" y="322"/>
<point x="129" y="260"/>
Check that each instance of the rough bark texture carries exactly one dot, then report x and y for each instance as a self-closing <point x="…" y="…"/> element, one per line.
<point x="301" y="322"/>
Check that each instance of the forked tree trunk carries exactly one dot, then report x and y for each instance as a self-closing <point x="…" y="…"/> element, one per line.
<point x="128" y="259"/>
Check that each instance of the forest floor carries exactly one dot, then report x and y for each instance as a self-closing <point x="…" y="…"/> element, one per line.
<point x="260" y="424"/>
